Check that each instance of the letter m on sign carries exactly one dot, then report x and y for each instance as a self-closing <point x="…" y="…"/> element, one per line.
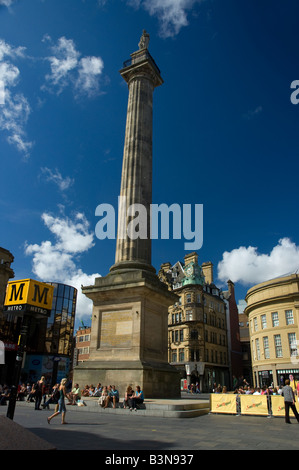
<point x="40" y="297"/>
<point x="16" y="293"/>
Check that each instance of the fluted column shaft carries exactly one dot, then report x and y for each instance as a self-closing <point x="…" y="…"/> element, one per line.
<point x="136" y="180"/>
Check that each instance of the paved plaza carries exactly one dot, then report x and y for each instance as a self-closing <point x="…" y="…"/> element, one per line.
<point x="136" y="433"/>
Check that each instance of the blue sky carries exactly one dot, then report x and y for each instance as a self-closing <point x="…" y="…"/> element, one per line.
<point x="224" y="132"/>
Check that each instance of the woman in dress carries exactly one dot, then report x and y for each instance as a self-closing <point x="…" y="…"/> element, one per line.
<point x="61" y="403"/>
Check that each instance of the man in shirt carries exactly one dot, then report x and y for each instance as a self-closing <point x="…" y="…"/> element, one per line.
<point x="74" y="395"/>
<point x="113" y="396"/>
<point x="289" y="402"/>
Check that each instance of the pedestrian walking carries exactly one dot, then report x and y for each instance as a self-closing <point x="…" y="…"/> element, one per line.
<point x="61" y="403"/>
<point x="289" y="402"/>
<point x="39" y="390"/>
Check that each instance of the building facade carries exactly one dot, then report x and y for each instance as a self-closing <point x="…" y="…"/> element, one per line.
<point x="245" y="341"/>
<point x="198" y="324"/>
<point x="82" y="343"/>
<point x="272" y="311"/>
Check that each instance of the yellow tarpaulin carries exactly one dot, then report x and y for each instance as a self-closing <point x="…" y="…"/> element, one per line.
<point x="223" y="403"/>
<point x="254" y="404"/>
<point x="278" y="408"/>
<point x="278" y="405"/>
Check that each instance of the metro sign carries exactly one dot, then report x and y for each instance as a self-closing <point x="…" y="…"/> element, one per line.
<point x="29" y="296"/>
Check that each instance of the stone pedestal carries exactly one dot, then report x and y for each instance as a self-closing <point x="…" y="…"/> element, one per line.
<point x="129" y="335"/>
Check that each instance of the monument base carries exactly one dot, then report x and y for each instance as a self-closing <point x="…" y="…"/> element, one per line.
<point x="155" y="380"/>
<point x="129" y="335"/>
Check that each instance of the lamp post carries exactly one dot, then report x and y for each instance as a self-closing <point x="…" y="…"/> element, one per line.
<point x="18" y="366"/>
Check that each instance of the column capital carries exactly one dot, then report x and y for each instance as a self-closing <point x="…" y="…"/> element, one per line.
<point x="141" y="64"/>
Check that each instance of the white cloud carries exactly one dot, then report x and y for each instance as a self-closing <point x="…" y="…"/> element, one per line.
<point x="14" y="115"/>
<point x="253" y="113"/>
<point x="57" y="262"/>
<point x="67" y="68"/>
<point x="172" y="14"/>
<point x="6" y="3"/>
<point x="14" y="108"/>
<point x="89" y="70"/>
<point x="56" y="177"/>
<point x="64" y="60"/>
<point x="247" y="266"/>
<point x="10" y="51"/>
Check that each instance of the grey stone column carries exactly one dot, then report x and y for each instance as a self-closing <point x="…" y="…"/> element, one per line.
<point x="133" y="250"/>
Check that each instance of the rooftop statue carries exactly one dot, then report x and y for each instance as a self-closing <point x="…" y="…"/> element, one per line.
<point x="144" y="40"/>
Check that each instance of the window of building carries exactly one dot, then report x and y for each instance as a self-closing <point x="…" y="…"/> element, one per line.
<point x="266" y="347"/>
<point x="257" y="348"/>
<point x="289" y="317"/>
<point x="264" y="321"/>
<point x="83" y="338"/>
<point x="278" y="346"/>
<point x="293" y="344"/>
<point x="181" y="335"/>
<point x="194" y="334"/>
<point x="181" y="355"/>
<point x="189" y="315"/>
<point x="275" y="320"/>
<point x="188" y="298"/>
<point x="255" y="324"/>
<point x="206" y="355"/>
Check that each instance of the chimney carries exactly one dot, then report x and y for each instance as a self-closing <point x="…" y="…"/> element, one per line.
<point x="191" y="258"/>
<point x="165" y="267"/>
<point x="207" y="269"/>
<point x="231" y="288"/>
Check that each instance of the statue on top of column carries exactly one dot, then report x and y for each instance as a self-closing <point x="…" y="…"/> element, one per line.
<point x="144" y="40"/>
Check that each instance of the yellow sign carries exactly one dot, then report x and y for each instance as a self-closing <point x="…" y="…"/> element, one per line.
<point x="28" y="294"/>
<point x="223" y="403"/>
<point x="278" y="406"/>
<point x="254" y="404"/>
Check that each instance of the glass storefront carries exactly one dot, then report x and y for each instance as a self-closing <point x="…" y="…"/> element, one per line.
<point x="265" y="377"/>
<point x="49" y="342"/>
<point x="284" y="374"/>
